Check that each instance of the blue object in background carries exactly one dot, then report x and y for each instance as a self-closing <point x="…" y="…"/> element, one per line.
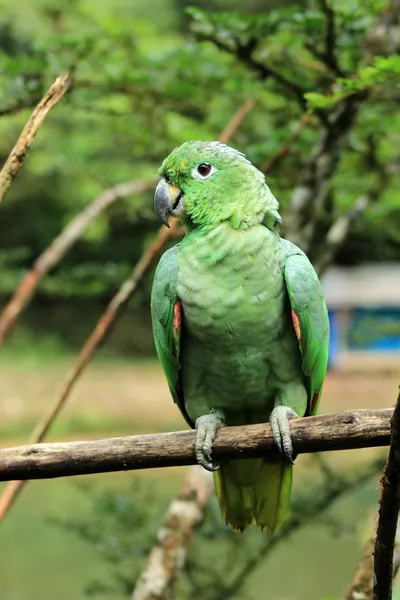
<point x="374" y="329"/>
<point x="334" y="337"/>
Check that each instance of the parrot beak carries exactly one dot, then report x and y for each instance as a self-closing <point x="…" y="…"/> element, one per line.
<point x="168" y="199"/>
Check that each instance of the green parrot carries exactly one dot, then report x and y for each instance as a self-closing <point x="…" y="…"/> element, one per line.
<point x="240" y="322"/>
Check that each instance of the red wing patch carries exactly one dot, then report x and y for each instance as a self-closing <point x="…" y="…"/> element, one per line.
<point x="296" y="326"/>
<point x="314" y="402"/>
<point x="177" y="317"/>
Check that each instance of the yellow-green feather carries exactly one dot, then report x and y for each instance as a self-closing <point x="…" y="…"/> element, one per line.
<point x="254" y="490"/>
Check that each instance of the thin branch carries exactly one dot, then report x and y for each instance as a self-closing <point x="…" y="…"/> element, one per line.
<point x="330" y="37"/>
<point x="59" y="247"/>
<point x="327" y="56"/>
<point x="229" y="131"/>
<point x="388" y="514"/>
<point x="244" y="54"/>
<point x="184" y="516"/>
<point x="104" y="326"/>
<point x="17" y="156"/>
<point x="362" y="584"/>
<point x="345" y="431"/>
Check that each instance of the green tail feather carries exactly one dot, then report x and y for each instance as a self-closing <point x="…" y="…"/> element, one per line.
<point x="254" y="490"/>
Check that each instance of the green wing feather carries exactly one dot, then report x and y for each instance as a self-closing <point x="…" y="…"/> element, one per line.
<point x="310" y="318"/>
<point x="167" y="334"/>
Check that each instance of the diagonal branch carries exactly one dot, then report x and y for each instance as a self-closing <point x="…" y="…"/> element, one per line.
<point x="59" y="247"/>
<point x="18" y="154"/>
<point x="344" y="431"/>
<point x="229" y="131"/>
<point x="244" y="54"/>
<point x="388" y="514"/>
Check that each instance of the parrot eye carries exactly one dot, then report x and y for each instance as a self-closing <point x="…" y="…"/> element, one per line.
<point x="203" y="171"/>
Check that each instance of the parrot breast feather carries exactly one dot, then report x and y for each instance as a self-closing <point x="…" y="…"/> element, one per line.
<point x="310" y="320"/>
<point x="166" y="314"/>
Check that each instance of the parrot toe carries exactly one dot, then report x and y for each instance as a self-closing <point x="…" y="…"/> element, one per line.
<point x="206" y="428"/>
<point x="279" y="421"/>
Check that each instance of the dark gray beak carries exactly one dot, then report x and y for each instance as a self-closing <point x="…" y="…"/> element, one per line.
<point x="166" y="199"/>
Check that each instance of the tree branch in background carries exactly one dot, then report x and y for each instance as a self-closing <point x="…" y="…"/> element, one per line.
<point x="17" y="156"/>
<point x="244" y="54"/>
<point x="344" y="431"/>
<point x="59" y="247"/>
<point x="362" y="584"/>
<point x="229" y="131"/>
<point x="105" y="324"/>
<point x="388" y="514"/>
<point x="311" y="197"/>
<point x="183" y="517"/>
<point x="327" y="55"/>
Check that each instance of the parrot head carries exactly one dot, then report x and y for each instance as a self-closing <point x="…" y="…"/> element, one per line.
<point x="206" y="183"/>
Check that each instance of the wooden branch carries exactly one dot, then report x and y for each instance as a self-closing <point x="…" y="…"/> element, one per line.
<point x="60" y="246"/>
<point x="345" y="431"/>
<point x="388" y="514"/>
<point x="362" y="584"/>
<point x="184" y="516"/>
<point x="18" y="154"/>
<point x="229" y="131"/>
<point x="105" y="323"/>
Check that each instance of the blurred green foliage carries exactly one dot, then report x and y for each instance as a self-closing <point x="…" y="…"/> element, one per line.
<point x="148" y="76"/>
<point x="221" y="564"/>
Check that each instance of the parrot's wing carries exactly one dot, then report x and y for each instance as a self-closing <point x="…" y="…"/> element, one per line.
<point x="166" y="314"/>
<point x="310" y="320"/>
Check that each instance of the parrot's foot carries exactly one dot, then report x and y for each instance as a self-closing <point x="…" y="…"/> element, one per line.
<point x="207" y="427"/>
<point x="279" y="421"/>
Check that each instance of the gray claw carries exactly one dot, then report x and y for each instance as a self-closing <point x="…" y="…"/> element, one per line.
<point x="207" y="427"/>
<point x="279" y="421"/>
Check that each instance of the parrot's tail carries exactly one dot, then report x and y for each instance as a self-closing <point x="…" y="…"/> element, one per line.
<point x="254" y="490"/>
